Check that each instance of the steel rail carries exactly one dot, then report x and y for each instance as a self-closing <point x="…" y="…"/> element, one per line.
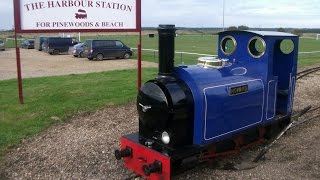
<point x="307" y="72"/>
<point x="266" y="148"/>
<point x="301" y="72"/>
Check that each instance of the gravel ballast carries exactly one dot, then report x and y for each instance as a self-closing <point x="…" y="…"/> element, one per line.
<point x="38" y="64"/>
<point x="83" y="148"/>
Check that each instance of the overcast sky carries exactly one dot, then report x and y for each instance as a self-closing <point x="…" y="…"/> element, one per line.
<point x="208" y="13"/>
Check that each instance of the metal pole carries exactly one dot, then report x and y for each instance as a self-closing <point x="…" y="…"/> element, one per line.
<point x="223" y="14"/>
<point x="139" y="45"/>
<point x="17" y="26"/>
<point x="18" y="68"/>
<point x="139" y="61"/>
<point x="79" y="37"/>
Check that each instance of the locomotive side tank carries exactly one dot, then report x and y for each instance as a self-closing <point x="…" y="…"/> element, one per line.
<point x="189" y="114"/>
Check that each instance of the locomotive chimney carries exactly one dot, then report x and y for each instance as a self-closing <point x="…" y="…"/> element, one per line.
<point x="167" y="33"/>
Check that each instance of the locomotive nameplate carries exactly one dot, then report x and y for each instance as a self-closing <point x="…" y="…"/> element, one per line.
<point x="238" y="90"/>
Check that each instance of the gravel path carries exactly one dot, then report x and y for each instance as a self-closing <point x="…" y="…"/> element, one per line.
<point x="80" y="149"/>
<point x="83" y="148"/>
<point x="37" y="64"/>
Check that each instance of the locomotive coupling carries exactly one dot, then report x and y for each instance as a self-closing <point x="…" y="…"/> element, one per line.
<point x="127" y="152"/>
<point x="155" y="167"/>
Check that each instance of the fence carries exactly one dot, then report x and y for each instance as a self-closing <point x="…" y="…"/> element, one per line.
<point x="12" y="39"/>
<point x="311" y="52"/>
<point x="181" y="58"/>
<point x="188" y="58"/>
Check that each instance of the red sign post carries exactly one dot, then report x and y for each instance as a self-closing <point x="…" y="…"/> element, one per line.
<point x="52" y="16"/>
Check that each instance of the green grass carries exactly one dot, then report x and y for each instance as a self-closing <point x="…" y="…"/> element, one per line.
<point x="308" y="59"/>
<point x="11" y="43"/>
<point x="62" y="97"/>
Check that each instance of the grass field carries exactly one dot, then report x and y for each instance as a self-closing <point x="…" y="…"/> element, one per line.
<point x="65" y="96"/>
<point x="203" y="44"/>
<point x="206" y="44"/>
<point x="307" y="45"/>
<point x="61" y="97"/>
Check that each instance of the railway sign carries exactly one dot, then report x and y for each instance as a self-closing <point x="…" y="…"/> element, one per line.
<point x="51" y="16"/>
<point x="77" y="15"/>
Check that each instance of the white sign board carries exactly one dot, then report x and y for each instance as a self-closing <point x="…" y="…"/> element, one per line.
<point x="77" y="15"/>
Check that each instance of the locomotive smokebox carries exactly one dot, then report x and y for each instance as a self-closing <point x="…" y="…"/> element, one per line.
<point x="167" y="33"/>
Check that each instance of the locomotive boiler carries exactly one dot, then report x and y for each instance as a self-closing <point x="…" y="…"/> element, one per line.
<point x="189" y="114"/>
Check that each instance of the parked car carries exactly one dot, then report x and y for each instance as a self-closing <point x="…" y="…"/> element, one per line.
<point x="77" y="50"/>
<point x="39" y="41"/>
<point x="57" y="45"/>
<point x="28" y="44"/>
<point x="2" y="45"/>
<point x="101" y="49"/>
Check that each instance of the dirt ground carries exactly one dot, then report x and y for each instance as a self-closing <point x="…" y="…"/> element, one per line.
<point x="37" y="64"/>
<point x="83" y="148"/>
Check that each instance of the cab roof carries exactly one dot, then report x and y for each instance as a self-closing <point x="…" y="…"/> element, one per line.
<point x="264" y="33"/>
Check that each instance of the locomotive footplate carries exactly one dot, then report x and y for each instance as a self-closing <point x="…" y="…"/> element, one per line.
<point x="148" y="162"/>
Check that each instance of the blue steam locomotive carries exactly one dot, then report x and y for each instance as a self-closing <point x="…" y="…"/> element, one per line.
<point x="193" y="113"/>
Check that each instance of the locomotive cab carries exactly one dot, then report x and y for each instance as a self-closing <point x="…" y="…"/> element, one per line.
<point x="271" y="55"/>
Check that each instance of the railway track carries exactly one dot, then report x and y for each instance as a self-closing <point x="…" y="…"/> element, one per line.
<point x="307" y="72"/>
<point x="296" y="119"/>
